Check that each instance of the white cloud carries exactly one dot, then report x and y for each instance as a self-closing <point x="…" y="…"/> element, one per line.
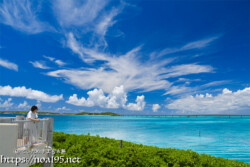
<point x="156" y="107"/>
<point x="225" y="102"/>
<point x="39" y="64"/>
<point x="39" y="104"/>
<point x="89" y="16"/>
<point x="116" y="99"/>
<point x="63" y="109"/>
<point x="22" y="15"/>
<point x="60" y="62"/>
<point x="139" y="105"/>
<point x="187" y="69"/>
<point x="183" y="89"/>
<point x="126" y="69"/>
<point x="6" y="104"/>
<point x="106" y="21"/>
<point x="85" y="54"/>
<point x="29" y="94"/>
<point x="9" y="65"/>
<point x="23" y="105"/>
<point x="77" y="13"/>
<point x="56" y="61"/>
<point x="49" y="58"/>
<point x="192" y="45"/>
<point x="180" y="89"/>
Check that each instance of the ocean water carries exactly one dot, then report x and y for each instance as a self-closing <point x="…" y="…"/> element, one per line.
<point x="227" y="137"/>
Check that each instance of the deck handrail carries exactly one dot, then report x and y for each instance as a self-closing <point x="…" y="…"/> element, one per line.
<point x="44" y="119"/>
<point x="27" y="135"/>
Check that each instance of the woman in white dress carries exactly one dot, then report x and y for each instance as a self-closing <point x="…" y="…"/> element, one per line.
<point x="31" y="127"/>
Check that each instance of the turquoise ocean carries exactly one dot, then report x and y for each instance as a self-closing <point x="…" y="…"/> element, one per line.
<point x="220" y="136"/>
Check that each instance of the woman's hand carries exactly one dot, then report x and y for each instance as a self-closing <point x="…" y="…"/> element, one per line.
<point x="37" y="120"/>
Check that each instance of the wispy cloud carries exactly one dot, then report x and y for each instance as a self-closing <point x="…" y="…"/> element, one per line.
<point x="56" y="61"/>
<point x="94" y="17"/>
<point x="77" y="13"/>
<point x="49" y="58"/>
<point x="60" y="62"/>
<point x="189" y="46"/>
<point x="226" y="102"/>
<point x="116" y="99"/>
<point x="39" y="64"/>
<point x="187" y="69"/>
<point x="22" y="15"/>
<point x="29" y="94"/>
<point x="126" y="69"/>
<point x="9" y="65"/>
<point x="106" y="21"/>
<point x="85" y="54"/>
<point x="184" y="89"/>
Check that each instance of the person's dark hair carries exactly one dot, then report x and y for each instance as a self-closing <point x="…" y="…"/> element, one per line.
<point x="33" y="108"/>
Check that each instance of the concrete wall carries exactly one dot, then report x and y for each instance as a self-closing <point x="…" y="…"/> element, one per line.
<point x="8" y="145"/>
<point x="8" y="141"/>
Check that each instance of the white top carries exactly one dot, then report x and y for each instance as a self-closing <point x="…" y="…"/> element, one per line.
<point x="32" y="115"/>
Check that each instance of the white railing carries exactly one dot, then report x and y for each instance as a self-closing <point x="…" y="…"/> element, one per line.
<point x="30" y="132"/>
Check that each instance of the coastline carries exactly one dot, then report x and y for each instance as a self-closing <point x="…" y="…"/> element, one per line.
<point x="114" y="114"/>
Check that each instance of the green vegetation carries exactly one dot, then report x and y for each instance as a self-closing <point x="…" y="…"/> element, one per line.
<point x="26" y="112"/>
<point x="97" y="151"/>
<point x="103" y="113"/>
<point x="52" y="113"/>
<point x="13" y="112"/>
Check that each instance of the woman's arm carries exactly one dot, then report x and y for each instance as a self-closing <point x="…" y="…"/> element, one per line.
<point x="35" y="120"/>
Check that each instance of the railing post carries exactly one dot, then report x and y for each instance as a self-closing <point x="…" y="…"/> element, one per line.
<point x="20" y="126"/>
<point x="50" y="128"/>
<point x="5" y="120"/>
<point x="50" y="132"/>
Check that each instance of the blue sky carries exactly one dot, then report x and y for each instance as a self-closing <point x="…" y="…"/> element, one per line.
<point x="130" y="57"/>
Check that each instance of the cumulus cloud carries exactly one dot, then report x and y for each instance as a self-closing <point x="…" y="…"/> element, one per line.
<point x="225" y="102"/>
<point x="29" y="94"/>
<point x="9" y="65"/>
<point x="23" y="105"/>
<point x="23" y="16"/>
<point x="156" y="107"/>
<point x="116" y="99"/>
<point x="6" y="104"/>
<point x="139" y="105"/>
<point x="39" y="64"/>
